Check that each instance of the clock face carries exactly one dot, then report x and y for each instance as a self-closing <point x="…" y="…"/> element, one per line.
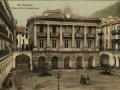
<point x="67" y="15"/>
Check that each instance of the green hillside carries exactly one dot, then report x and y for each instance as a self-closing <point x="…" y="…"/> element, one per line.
<point x="113" y="10"/>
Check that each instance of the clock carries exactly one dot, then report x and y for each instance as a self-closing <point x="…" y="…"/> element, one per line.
<point x="67" y="15"/>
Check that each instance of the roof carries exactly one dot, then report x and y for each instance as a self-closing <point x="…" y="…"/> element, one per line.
<point x="20" y="29"/>
<point x="53" y="11"/>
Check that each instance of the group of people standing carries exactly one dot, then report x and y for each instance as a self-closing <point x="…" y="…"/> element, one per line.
<point x="84" y="80"/>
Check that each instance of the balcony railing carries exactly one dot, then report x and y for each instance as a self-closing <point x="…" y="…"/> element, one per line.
<point x="116" y="32"/>
<point x="79" y="35"/>
<point x="90" y="36"/>
<point x="41" y="34"/>
<point x="54" y="35"/>
<point x="3" y="30"/>
<point x="67" y="35"/>
<point x="4" y="52"/>
<point x="116" y="40"/>
<point x="100" y="33"/>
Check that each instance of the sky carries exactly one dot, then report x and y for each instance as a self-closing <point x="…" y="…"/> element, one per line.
<point x="80" y="7"/>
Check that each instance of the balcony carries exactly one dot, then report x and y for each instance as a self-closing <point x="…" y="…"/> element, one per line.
<point x="3" y="30"/>
<point x="100" y="33"/>
<point x="54" y="35"/>
<point x="79" y="35"/>
<point x="116" y="40"/>
<point x="115" y="32"/>
<point x="67" y="35"/>
<point x="41" y="35"/>
<point x="6" y="17"/>
<point x="90" y="36"/>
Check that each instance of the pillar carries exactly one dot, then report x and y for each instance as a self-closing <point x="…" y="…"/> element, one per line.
<point x="85" y="39"/>
<point x="96" y="39"/>
<point x="35" y="36"/>
<point x="117" y="62"/>
<point x="48" y="36"/>
<point x="61" y="37"/>
<point x="116" y="46"/>
<point x="73" y="37"/>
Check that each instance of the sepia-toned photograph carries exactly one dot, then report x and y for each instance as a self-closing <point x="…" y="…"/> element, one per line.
<point x="59" y="45"/>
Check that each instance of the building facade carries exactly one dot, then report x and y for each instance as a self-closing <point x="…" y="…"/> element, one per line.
<point x="7" y="27"/>
<point x="63" y="39"/>
<point x="22" y="38"/>
<point x="109" y="37"/>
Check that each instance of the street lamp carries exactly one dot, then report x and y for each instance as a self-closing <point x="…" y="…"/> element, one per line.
<point x="58" y="75"/>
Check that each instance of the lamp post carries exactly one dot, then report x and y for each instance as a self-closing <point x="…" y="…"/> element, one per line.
<point x="58" y="75"/>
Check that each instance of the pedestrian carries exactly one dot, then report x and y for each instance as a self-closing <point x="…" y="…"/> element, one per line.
<point x="10" y="83"/>
<point x="88" y="80"/>
<point x="84" y="80"/>
<point x="81" y="79"/>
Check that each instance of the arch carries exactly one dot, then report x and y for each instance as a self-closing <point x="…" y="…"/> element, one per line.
<point x="67" y="62"/>
<point x="54" y="62"/>
<point x="79" y="62"/>
<point x="41" y="62"/>
<point x="22" y="61"/>
<point x="104" y="59"/>
<point x="91" y="62"/>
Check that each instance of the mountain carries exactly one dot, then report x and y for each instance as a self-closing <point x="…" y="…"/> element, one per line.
<point x="113" y="10"/>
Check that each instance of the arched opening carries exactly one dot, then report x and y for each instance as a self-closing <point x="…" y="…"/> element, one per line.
<point x="79" y="62"/>
<point x="41" y="62"/>
<point x="104" y="59"/>
<point x="54" y="62"/>
<point x="67" y="63"/>
<point x="91" y="62"/>
<point x="22" y="62"/>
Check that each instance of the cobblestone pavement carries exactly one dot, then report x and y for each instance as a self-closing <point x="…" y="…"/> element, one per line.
<point x="70" y="81"/>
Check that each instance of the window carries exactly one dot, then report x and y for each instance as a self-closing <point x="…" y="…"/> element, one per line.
<point x="54" y="29"/>
<point x="41" y="29"/>
<point x="23" y="41"/>
<point x="106" y="46"/>
<point x="41" y="43"/>
<point x="106" y="40"/>
<point x="89" y="44"/>
<point x="54" y="44"/>
<point x="78" y="44"/>
<point x="78" y="31"/>
<point x="90" y="30"/>
<point x="66" y="43"/>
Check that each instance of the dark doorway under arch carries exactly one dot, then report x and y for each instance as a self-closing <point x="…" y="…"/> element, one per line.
<point x="41" y="62"/>
<point x="104" y="59"/>
<point x="54" y="62"/>
<point x="79" y="62"/>
<point x="67" y="63"/>
<point x="22" y="62"/>
<point x="91" y="62"/>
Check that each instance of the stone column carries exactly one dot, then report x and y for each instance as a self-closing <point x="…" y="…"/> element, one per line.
<point x="85" y="39"/>
<point x="48" y="36"/>
<point x="35" y="36"/>
<point x="73" y="37"/>
<point x="96" y="39"/>
<point x="117" y="62"/>
<point x="61" y="37"/>
<point x="116" y="46"/>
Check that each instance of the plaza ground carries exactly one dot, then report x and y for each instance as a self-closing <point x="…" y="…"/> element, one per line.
<point x="70" y="80"/>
